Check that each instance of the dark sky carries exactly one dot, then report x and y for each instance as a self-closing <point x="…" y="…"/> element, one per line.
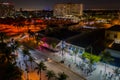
<point x="48" y="4"/>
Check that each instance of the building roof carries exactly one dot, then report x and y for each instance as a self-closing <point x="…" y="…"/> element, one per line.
<point x="61" y="34"/>
<point x="86" y="38"/>
<point x="94" y="39"/>
<point x="80" y="40"/>
<point x="114" y="28"/>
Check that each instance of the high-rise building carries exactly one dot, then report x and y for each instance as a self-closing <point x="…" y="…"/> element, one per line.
<point x="67" y="9"/>
<point x="6" y="9"/>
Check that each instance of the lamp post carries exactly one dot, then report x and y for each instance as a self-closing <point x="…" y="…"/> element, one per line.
<point x="62" y="48"/>
<point x="91" y="48"/>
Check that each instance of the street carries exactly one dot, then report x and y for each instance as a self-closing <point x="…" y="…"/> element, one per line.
<point x="73" y="72"/>
<point x="51" y="65"/>
<point x="56" y="66"/>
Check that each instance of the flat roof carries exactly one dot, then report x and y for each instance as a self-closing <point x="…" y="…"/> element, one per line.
<point x="114" y="28"/>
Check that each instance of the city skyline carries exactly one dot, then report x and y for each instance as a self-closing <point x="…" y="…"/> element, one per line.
<point x="48" y="4"/>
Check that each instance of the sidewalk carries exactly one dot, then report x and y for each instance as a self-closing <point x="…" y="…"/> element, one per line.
<point x="58" y="58"/>
<point x="97" y="74"/>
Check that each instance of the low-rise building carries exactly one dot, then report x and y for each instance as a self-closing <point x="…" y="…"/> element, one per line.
<point x="113" y="33"/>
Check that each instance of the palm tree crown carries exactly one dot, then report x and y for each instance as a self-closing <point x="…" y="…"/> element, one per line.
<point x="50" y="74"/>
<point x="62" y="76"/>
<point x="41" y="66"/>
<point x="26" y="52"/>
<point x="106" y="56"/>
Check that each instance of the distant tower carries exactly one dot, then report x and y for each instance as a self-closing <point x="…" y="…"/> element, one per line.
<point x="68" y="9"/>
<point x="6" y="9"/>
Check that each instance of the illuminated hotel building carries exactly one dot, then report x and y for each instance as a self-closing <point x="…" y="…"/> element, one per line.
<point x="65" y="9"/>
<point x="6" y="9"/>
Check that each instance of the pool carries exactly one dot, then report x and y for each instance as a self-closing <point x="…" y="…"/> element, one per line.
<point x="116" y="62"/>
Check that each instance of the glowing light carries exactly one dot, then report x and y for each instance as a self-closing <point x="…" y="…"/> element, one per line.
<point x="13" y="30"/>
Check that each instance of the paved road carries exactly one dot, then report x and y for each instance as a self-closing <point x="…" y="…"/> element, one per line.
<point x="95" y="75"/>
<point x="58" y="67"/>
<point x="55" y="66"/>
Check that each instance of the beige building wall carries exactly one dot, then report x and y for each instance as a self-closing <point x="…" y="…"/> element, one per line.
<point x="113" y="35"/>
<point x="68" y="9"/>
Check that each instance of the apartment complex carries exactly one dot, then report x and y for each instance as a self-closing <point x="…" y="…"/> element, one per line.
<point x="68" y="9"/>
<point x="6" y="9"/>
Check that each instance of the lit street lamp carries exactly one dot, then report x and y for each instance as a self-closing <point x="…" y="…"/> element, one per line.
<point x="62" y="48"/>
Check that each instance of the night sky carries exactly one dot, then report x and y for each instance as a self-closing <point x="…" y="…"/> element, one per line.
<point x="48" y="4"/>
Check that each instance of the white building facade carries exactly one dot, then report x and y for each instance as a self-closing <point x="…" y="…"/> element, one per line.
<point x="68" y="9"/>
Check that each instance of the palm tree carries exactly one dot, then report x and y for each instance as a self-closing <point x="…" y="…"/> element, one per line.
<point x="26" y="52"/>
<point x="15" y="46"/>
<point x="53" y="45"/>
<point x="31" y="60"/>
<point x="75" y="51"/>
<point x="41" y="66"/>
<point x="27" y="71"/>
<point x="2" y="59"/>
<point x="62" y="48"/>
<point x="62" y="76"/>
<point x="91" y="62"/>
<point x="106" y="58"/>
<point x="9" y="57"/>
<point x="6" y="57"/>
<point x="50" y="74"/>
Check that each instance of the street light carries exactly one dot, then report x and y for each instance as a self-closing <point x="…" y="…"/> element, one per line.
<point x="91" y="48"/>
<point x="62" y="47"/>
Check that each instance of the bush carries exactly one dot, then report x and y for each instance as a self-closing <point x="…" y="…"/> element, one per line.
<point x="92" y="57"/>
